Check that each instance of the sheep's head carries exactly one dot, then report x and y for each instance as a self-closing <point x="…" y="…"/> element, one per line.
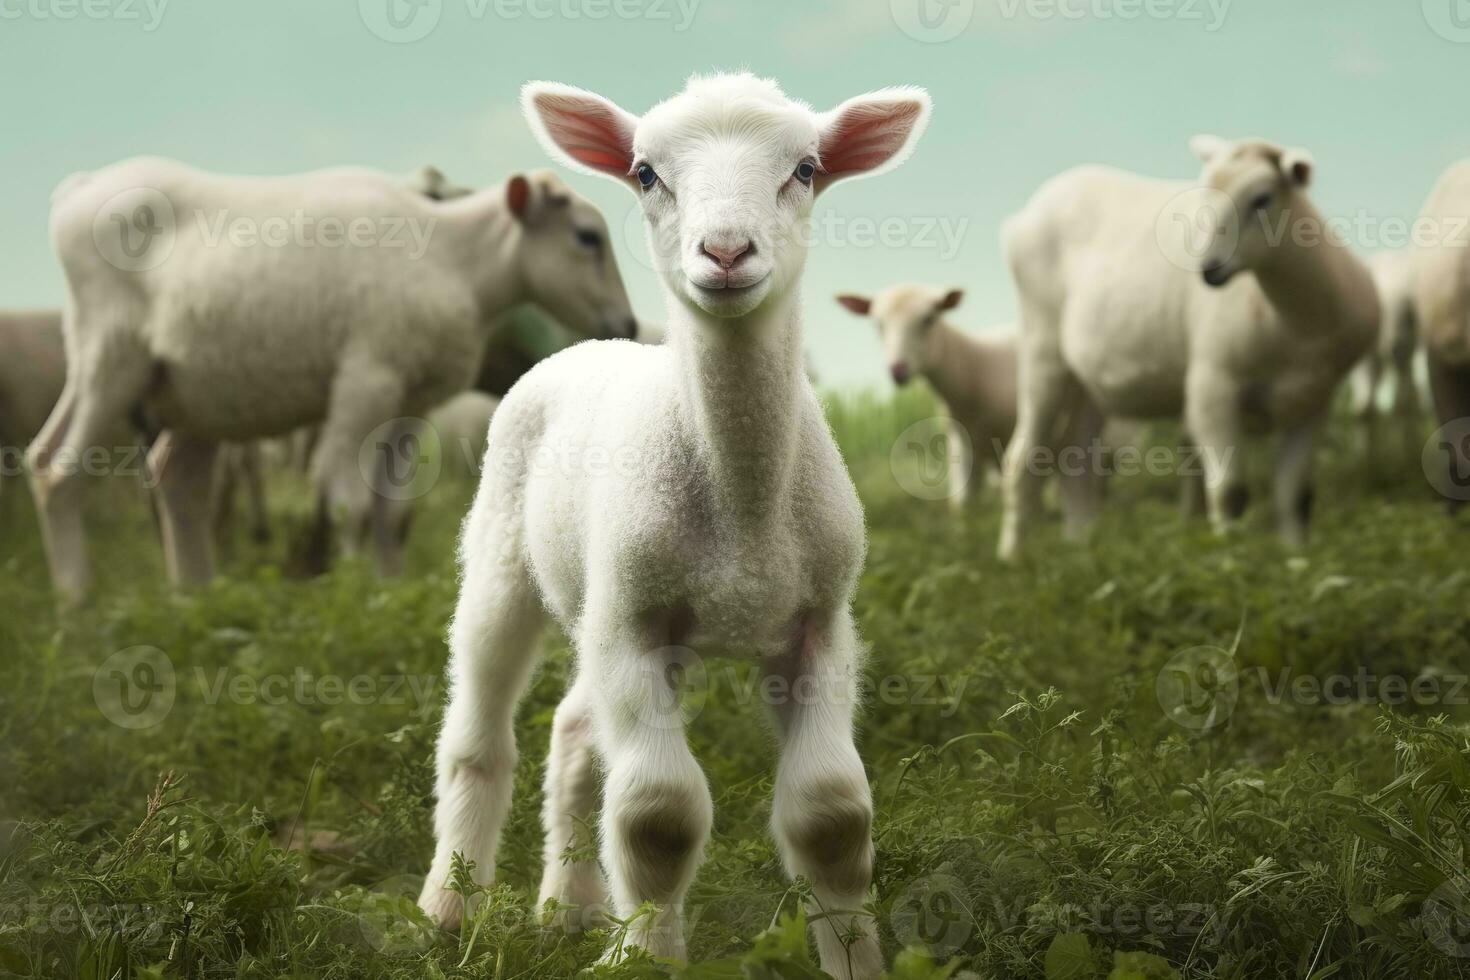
<point x="566" y="258"/>
<point x="727" y="171"/>
<point x="905" y="315"/>
<point x="1256" y="183"/>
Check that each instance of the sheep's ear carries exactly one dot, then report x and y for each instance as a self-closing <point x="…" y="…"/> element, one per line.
<point x="1207" y="147"/>
<point x="857" y="304"/>
<point x="872" y="133"/>
<point x="1298" y="166"/>
<point x="951" y="300"/>
<point x="581" y="129"/>
<point x="518" y="197"/>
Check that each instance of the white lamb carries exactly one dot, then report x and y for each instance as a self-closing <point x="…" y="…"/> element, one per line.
<point x="654" y="499"/>
<point x="236" y="308"/>
<point x="1398" y="342"/>
<point x="1112" y="324"/>
<point x="1442" y="299"/>
<point x="974" y="375"/>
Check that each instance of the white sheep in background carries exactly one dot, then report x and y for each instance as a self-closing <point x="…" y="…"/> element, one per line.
<point x="1442" y="299"/>
<point x="1398" y="342"/>
<point x="661" y="498"/>
<point x="1112" y="324"/>
<point x="974" y="375"/>
<point x="237" y="308"/>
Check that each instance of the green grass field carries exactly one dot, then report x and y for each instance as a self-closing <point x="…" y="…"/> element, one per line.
<point x="1055" y="797"/>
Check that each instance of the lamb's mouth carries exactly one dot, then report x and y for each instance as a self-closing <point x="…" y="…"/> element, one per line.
<point x="726" y="291"/>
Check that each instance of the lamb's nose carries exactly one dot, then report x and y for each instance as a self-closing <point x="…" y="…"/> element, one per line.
<point x="727" y="253"/>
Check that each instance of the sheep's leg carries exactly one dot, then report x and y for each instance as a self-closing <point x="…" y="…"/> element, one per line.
<point x="100" y="390"/>
<point x="1044" y="382"/>
<point x="492" y="643"/>
<point x="962" y="471"/>
<point x="226" y="483"/>
<point x="252" y="474"/>
<point x="1081" y="477"/>
<point x="395" y="460"/>
<point x="364" y="396"/>
<point x="183" y="467"/>
<point x="657" y="811"/>
<point x="1214" y="427"/>
<point x="822" y="814"/>
<point x="1192" y="502"/>
<point x="1449" y="384"/>
<point x="570" y="802"/>
<point x="1293" y="485"/>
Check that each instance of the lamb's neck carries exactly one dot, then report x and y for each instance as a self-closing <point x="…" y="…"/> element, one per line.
<point x="948" y="369"/>
<point x="1313" y="284"/>
<point x="741" y="387"/>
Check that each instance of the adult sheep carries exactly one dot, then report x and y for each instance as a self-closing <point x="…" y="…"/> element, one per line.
<point x="1230" y="304"/>
<point x="973" y="375"/>
<point x="238" y="308"/>
<point x="1442" y="297"/>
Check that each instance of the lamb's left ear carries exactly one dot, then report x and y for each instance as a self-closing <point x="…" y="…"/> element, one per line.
<point x="872" y="133"/>
<point x="1298" y="166"/>
<point x="951" y="300"/>
<point x="1208" y="147"/>
<point x="581" y="129"/>
<point x="860" y="305"/>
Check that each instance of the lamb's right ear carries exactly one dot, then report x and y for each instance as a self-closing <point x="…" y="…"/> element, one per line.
<point x="951" y="299"/>
<point x="518" y="197"/>
<point x="857" y="304"/>
<point x="581" y="129"/>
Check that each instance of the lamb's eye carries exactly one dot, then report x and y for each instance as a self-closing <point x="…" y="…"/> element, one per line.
<point x="805" y="171"/>
<point x="1261" y="202"/>
<point x="588" y="238"/>
<point x="646" y="176"/>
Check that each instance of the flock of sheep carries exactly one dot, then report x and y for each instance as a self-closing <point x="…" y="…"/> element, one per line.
<point x="656" y="498"/>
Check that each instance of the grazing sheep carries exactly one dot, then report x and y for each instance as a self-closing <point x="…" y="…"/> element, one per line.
<point x="237" y="308"/>
<point x="661" y="498"/>
<point x="973" y="375"/>
<point x="1398" y="342"/>
<point x="1113" y="324"/>
<point x="1441" y="278"/>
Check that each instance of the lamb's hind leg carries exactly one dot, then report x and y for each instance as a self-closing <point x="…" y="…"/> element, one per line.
<point x="492" y="651"/>
<point x="99" y="392"/>
<point x="823" y="812"/>
<point x="570" y="801"/>
<point x="657" y="813"/>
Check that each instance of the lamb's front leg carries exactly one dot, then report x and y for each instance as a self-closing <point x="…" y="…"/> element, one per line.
<point x="822" y="814"/>
<point x="657" y="810"/>
<point x="1212" y="420"/>
<point x="1293" y="489"/>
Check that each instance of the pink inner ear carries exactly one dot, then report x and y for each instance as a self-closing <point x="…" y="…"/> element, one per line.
<point x="589" y="132"/>
<point x="867" y="136"/>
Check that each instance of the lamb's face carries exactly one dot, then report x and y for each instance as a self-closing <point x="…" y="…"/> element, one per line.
<point x="726" y="181"/>
<point x="566" y="257"/>
<point x="1256" y="183"/>
<point x="905" y="315"/>
<point x="726" y="173"/>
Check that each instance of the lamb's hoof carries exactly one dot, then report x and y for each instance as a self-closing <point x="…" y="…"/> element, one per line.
<point x="580" y="901"/>
<point x="444" y="908"/>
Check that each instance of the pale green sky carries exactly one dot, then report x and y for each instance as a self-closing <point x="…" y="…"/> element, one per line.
<point x="1025" y="88"/>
